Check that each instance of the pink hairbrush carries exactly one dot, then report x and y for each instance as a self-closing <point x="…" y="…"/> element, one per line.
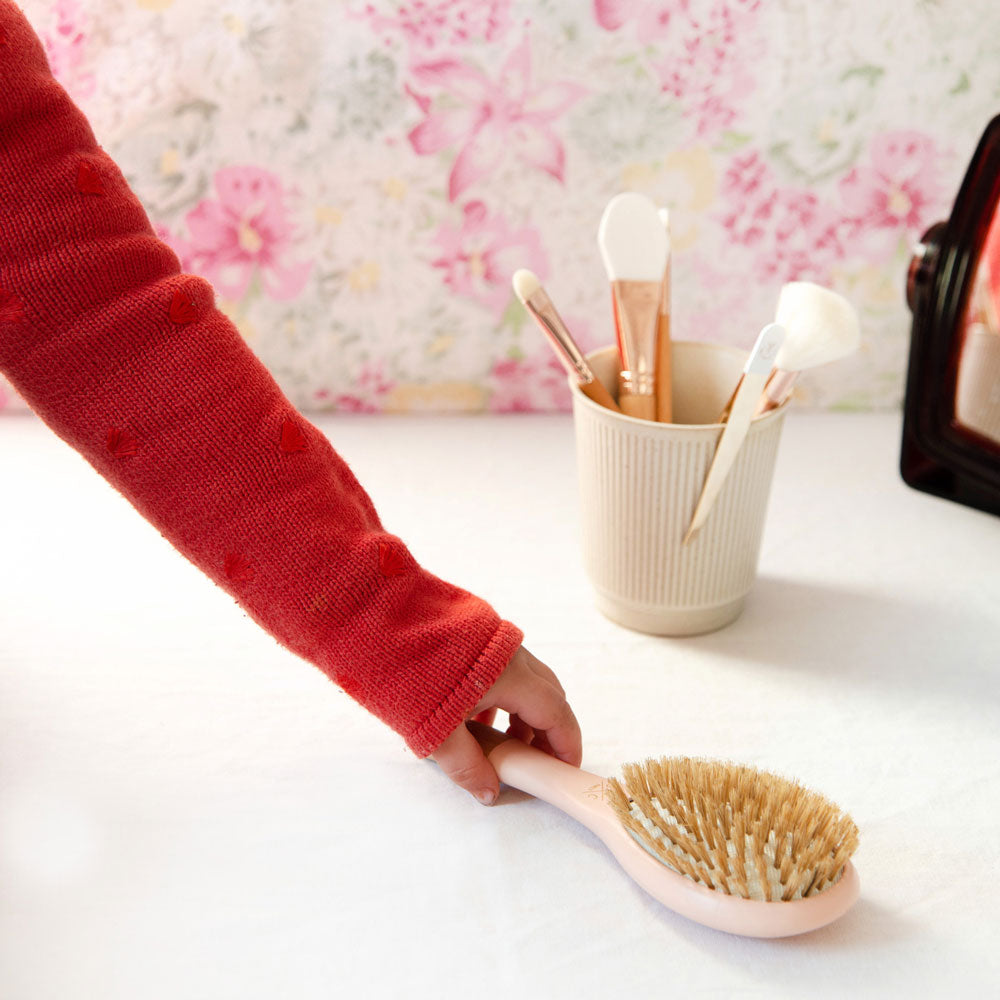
<point x="727" y="846"/>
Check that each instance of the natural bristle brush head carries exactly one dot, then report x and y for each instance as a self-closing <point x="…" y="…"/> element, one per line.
<point x="733" y="828"/>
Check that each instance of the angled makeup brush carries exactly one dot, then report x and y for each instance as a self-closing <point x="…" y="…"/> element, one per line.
<point x="664" y="389"/>
<point x="755" y="373"/>
<point x="821" y="326"/>
<point x="633" y="246"/>
<point x="535" y="299"/>
<point x="725" y="845"/>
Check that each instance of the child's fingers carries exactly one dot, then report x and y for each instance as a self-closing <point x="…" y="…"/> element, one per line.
<point x="486" y="717"/>
<point x="520" y="730"/>
<point x="546" y="673"/>
<point x="462" y="759"/>
<point x="544" y="708"/>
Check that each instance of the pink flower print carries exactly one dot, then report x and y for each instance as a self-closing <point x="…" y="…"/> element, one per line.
<point x="793" y="234"/>
<point x="488" y="119"/>
<point x="706" y="52"/>
<point x="900" y="190"/>
<point x="524" y="385"/>
<point x="655" y="21"/>
<point x="371" y="388"/>
<point x="245" y="232"/>
<point x="612" y="14"/>
<point x="64" y="49"/>
<point x="479" y="257"/>
<point x="427" y="26"/>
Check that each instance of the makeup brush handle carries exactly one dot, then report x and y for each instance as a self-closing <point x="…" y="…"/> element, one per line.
<point x="594" y="389"/>
<point x="664" y="375"/>
<point x="728" y="408"/>
<point x="776" y="390"/>
<point x="641" y="407"/>
<point x="727" y="449"/>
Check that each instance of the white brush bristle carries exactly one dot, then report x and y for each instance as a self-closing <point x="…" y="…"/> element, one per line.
<point x="632" y="239"/>
<point x="822" y="326"/>
<point x="525" y="284"/>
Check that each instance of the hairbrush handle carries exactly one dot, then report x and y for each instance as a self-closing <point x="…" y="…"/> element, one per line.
<point x="569" y="788"/>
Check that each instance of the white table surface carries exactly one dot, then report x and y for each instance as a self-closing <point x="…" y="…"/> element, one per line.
<point x="188" y="811"/>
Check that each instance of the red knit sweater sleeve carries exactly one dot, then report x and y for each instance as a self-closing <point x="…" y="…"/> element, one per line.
<point x="128" y="360"/>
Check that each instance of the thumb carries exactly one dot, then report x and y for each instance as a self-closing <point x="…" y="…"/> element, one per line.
<point x="462" y="759"/>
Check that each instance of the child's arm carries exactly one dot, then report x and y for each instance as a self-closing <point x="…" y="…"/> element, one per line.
<point x="129" y="361"/>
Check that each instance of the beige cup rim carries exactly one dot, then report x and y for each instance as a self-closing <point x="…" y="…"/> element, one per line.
<point x="655" y="427"/>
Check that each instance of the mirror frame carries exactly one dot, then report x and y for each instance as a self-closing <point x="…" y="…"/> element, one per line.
<point x="938" y="455"/>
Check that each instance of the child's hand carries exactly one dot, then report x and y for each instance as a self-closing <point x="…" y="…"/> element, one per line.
<point x="539" y="714"/>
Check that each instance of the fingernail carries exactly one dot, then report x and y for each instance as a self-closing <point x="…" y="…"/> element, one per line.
<point x="487" y="797"/>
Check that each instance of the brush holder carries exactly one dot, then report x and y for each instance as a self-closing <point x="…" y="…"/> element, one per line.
<point x="639" y="482"/>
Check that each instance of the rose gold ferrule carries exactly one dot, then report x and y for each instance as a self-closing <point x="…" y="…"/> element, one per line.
<point x="540" y="306"/>
<point x="637" y="311"/>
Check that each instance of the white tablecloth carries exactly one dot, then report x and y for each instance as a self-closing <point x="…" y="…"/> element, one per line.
<point x="187" y="810"/>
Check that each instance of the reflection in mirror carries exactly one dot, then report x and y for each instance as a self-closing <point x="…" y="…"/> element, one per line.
<point x="977" y="387"/>
<point x="951" y="414"/>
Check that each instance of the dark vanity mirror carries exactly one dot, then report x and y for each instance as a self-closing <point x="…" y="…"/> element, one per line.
<point x="951" y="425"/>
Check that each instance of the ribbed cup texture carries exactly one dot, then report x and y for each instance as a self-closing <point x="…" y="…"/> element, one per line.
<point x="639" y="482"/>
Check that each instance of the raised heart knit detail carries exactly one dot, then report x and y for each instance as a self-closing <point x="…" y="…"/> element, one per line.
<point x="292" y="438"/>
<point x="88" y="180"/>
<point x="121" y="443"/>
<point x="183" y="308"/>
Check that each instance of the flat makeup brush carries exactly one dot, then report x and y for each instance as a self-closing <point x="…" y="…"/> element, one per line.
<point x="755" y="374"/>
<point x="535" y="299"/>
<point x="664" y="389"/>
<point x="633" y="246"/>
<point x="821" y="327"/>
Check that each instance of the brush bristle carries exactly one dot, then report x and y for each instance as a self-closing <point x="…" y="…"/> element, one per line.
<point x="525" y="283"/>
<point x="632" y="239"/>
<point x="822" y="326"/>
<point x="735" y="829"/>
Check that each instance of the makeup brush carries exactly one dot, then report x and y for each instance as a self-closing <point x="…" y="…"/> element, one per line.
<point x="664" y="389"/>
<point x="727" y="846"/>
<point x="535" y="299"/>
<point x="755" y="374"/>
<point x="633" y="246"/>
<point x="822" y="326"/>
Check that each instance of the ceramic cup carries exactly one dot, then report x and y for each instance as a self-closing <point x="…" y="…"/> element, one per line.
<point x="639" y="482"/>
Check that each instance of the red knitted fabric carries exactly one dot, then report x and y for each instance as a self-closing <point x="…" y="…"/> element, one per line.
<point x="128" y="360"/>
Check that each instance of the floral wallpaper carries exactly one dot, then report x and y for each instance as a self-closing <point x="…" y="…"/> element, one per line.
<point x="359" y="179"/>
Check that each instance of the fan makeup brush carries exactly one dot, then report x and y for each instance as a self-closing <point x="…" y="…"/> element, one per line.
<point x="664" y="390"/>
<point x="633" y="245"/>
<point x="822" y="326"/>
<point x="755" y="374"/>
<point x="535" y="299"/>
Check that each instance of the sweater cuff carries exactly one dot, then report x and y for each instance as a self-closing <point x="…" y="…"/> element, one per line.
<point x="464" y="697"/>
